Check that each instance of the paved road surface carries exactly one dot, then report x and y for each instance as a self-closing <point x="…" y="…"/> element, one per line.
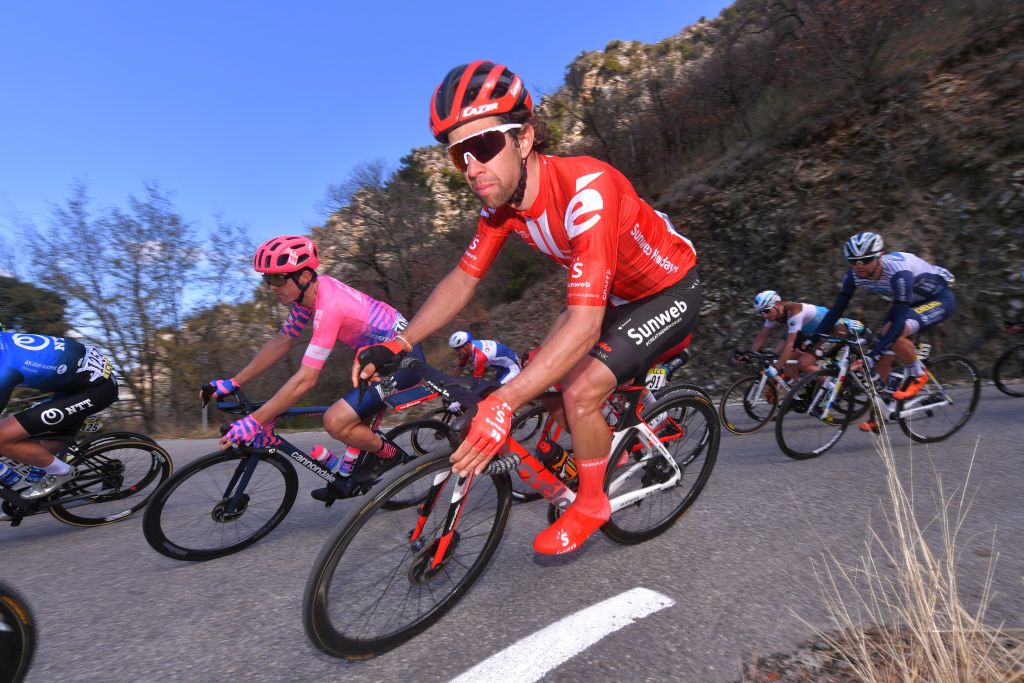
<point x="738" y="567"/>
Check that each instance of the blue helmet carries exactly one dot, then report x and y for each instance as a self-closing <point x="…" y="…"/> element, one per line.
<point x="863" y="245"/>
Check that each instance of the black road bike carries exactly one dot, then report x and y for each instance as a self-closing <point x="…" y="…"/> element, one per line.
<point x="1008" y="372"/>
<point x="226" y="501"/>
<point x="118" y="472"/>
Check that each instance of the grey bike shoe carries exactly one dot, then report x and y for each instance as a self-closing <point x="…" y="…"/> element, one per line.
<point x="48" y="484"/>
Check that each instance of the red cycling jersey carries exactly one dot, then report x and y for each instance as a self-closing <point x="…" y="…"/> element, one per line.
<point x="588" y="218"/>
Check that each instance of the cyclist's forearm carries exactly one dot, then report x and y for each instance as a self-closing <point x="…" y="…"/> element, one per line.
<point x="832" y="317"/>
<point x="760" y="339"/>
<point x="449" y="297"/>
<point x="787" y="350"/>
<point x="270" y="353"/>
<point x="558" y="355"/>
<point x="897" y="321"/>
<point x="288" y="395"/>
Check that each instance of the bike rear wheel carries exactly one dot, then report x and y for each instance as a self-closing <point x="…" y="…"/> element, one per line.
<point x="430" y="438"/>
<point x="1008" y="372"/>
<point x="688" y="428"/>
<point x="372" y="589"/>
<point x="944" y="405"/>
<point x="747" y="406"/>
<point x="17" y="635"/>
<point x="118" y="474"/>
<point x="807" y="425"/>
<point x="220" y="504"/>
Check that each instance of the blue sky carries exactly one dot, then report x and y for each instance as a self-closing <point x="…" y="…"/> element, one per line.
<point x="250" y="110"/>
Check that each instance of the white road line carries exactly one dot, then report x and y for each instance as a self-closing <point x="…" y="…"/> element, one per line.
<point x="532" y="657"/>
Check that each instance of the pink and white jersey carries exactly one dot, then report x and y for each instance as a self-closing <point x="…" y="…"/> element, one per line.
<point x="342" y="313"/>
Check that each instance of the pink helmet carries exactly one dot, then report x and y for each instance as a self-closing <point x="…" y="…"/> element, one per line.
<point x="286" y="254"/>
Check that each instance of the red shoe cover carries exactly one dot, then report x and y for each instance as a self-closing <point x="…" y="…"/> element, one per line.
<point x="569" y="531"/>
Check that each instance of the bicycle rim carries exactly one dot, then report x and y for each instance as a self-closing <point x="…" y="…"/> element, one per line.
<point x="195" y="516"/>
<point x="690" y="433"/>
<point x="945" y="404"/>
<point x="807" y="424"/>
<point x="371" y="589"/>
<point x="434" y="433"/>
<point x="122" y="474"/>
<point x="1008" y="372"/>
<point x="17" y="635"/>
<point x="744" y="409"/>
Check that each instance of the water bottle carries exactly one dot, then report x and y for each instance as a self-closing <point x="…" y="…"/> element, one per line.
<point x="9" y="475"/>
<point x="923" y="349"/>
<point x="895" y="378"/>
<point x="771" y="372"/>
<point x="34" y="475"/>
<point x="349" y="461"/>
<point x="325" y="458"/>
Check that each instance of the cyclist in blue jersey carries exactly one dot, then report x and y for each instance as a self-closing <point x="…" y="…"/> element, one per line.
<point x="480" y="354"/>
<point x="921" y="296"/>
<point x="802" y="321"/>
<point x="83" y="383"/>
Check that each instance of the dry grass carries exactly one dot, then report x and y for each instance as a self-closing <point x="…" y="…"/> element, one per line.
<point x="898" y="613"/>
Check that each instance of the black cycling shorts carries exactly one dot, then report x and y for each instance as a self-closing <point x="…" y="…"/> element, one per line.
<point x="64" y="413"/>
<point x="633" y="335"/>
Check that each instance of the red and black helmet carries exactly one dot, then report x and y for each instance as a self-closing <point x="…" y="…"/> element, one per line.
<point x="473" y="91"/>
<point x="286" y="254"/>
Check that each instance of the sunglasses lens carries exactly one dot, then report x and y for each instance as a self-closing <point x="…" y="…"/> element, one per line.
<point x="482" y="147"/>
<point x="275" y="279"/>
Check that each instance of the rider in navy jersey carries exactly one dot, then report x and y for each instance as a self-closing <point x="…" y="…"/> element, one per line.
<point x="921" y="296"/>
<point x="82" y="380"/>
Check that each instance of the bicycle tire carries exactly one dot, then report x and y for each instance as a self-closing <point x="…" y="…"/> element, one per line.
<point x="424" y="443"/>
<point x="797" y="409"/>
<point x="17" y="635"/>
<point x="441" y="438"/>
<point x="161" y="525"/>
<point x="736" y="403"/>
<point x="103" y="464"/>
<point x="364" y="544"/>
<point x="682" y="387"/>
<point x="691" y="433"/>
<point x="959" y="381"/>
<point x="1008" y="372"/>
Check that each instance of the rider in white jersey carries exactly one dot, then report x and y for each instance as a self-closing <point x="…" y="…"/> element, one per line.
<point x="802" y="321"/>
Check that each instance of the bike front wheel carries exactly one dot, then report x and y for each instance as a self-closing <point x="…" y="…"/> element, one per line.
<point x="220" y="504"/>
<point x="422" y="442"/>
<point x="688" y="430"/>
<point x="813" y="416"/>
<point x="117" y="475"/>
<point x="372" y="588"/>
<point x="1008" y="372"/>
<point x="748" y="404"/>
<point x="17" y="635"/>
<point x="944" y="405"/>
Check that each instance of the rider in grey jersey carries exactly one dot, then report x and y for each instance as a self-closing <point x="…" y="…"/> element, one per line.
<point x="921" y="298"/>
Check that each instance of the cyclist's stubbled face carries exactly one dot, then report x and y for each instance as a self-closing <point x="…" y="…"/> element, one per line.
<point x="493" y="182"/>
<point x="287" y="293"/>
<point x="871" y="269"/>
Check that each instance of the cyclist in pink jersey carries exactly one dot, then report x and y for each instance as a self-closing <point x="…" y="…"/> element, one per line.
<point x="339" y="313"/>
<point x="632" y="286"/>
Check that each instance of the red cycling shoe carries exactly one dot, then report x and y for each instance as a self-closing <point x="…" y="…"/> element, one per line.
<point x="913" y="387"/>
<point x="569" y="531"/>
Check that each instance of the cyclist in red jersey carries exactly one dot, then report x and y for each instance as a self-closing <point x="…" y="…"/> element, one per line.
<point x="632" y="289"/>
